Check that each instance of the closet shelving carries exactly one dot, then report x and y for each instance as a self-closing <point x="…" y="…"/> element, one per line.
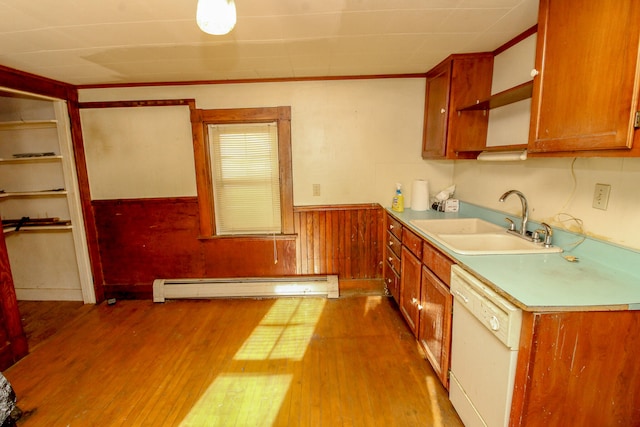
<point x="31" y="168"/>
<point x="39" y="200"/>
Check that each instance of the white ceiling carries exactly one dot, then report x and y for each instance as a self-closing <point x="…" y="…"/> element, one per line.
<point x="128" y="41"/>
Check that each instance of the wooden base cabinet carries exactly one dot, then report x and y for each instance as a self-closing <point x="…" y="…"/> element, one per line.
<point x="578" y="368"/>
<point x="425" y="301"/>
<point x="410" y="289"/>
<point x="393" y="251"/>
<point x="434" y="331"/>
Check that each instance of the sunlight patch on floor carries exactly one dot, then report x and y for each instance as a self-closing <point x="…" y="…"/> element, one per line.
<point x="254" y="399"/>
<point x="432" y="388"/>
<point x="239" y="399"/>
<point x="284" y="332"/>
<point x="372" y="303"/>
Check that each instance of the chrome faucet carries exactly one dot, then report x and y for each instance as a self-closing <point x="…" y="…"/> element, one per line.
<point x="548" y="234"/>
<point x="525" y="210"/>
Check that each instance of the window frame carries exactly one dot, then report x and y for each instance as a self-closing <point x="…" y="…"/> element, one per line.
<point x="200" y="120"/>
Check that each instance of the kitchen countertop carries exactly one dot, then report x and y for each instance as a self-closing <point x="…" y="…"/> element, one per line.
<point x="604" y="278"/>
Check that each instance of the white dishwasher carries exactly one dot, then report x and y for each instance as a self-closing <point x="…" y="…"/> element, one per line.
<point x="484" y="351"/>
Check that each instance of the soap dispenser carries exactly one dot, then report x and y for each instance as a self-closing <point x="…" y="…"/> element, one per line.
<point x="398" y="199"/>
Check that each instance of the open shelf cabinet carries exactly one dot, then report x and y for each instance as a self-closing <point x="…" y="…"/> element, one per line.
<point x="40" y="208"/>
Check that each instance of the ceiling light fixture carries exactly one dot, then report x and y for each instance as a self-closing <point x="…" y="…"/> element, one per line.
<point x="216" y="17"/>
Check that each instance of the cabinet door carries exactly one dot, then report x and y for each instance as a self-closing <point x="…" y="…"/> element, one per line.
<point x="586" y="93"/>
<point x="435" y="323"/>
<point x="458" y="81"/>
<point x="410" y="289"/>
<point x="436" y="107"/>
<point x="13" y="342"/>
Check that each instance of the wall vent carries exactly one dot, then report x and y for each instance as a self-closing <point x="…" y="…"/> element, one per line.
<point x="245" y="287"/>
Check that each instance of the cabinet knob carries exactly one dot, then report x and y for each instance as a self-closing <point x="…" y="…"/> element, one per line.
<point x="391" y="227"/>
<point x="390" y="259"/>
<point x="414" y="301"/>
<point x="442" y="111"/>
<point x="534" y="72"/>
<point x="390" y="243"/>
<point x="419" y="307"/>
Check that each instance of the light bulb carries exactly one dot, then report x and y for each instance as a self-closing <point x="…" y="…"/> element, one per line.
<point x="216" y="17"/>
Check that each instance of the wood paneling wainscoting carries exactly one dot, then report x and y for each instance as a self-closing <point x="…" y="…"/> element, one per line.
<point x="141" y="240"/>
<point x="340" y="239"/>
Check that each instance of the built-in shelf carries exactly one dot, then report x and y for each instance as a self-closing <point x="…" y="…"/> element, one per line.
<point x="38" y="159"/>
<point x="37" y="228"/>
<point x="500" y="99"/>
<point x="28" y="124"/>
<point x="22" y="194"/>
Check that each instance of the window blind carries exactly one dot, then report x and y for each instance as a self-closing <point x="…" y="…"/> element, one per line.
<point x="245" y="175"/>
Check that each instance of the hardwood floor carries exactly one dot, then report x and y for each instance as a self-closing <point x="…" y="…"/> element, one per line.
<point x="42" y="319"/>
<point x="243" y="362"/>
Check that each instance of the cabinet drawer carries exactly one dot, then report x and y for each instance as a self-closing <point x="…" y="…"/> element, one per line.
<point x="392" y="280"/>
<point x="437" y="262"/>
<point x="412" y="241"/>
<point x="393" y="260"/>
<point x="394" y="226"/>
<point x="394" y="244"/>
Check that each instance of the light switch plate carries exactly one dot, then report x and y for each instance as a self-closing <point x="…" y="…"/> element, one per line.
<point x="601" y="196"/>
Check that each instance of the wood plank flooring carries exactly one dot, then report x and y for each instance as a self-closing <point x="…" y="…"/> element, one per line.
<point x="243" y="362"/>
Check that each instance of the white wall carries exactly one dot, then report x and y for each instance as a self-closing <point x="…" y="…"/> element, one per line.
<point x="551" y="190"/>
<point x="356" y="138"/>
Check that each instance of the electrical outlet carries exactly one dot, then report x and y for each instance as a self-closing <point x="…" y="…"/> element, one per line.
<point x="601" y="196"/>
<point x="316" y="189"/>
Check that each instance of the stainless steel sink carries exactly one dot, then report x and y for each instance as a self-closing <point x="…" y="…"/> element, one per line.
<point x="474" y="236"/>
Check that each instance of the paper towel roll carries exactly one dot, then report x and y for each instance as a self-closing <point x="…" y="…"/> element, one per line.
<point x="420" y="195"/>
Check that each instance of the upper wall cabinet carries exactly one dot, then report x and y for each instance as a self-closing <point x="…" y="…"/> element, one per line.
<point x="457" y="81"/>
<point x="587" y="78"/>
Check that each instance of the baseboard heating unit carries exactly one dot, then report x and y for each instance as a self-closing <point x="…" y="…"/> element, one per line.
<point x="245" y="287"/>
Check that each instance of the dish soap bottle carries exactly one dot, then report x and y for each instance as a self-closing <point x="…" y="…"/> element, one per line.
<point x="398" y="200"/>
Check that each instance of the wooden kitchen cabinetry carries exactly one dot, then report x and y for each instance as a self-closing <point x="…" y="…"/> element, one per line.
<point x="425" y="301"/>
<point x="410" y="279"/>
<point x="393" y="252"/>
<point x="434" y="332"/>
<point x="578" y="366"/>
<point x="587" y="88"/>
<point x="458" y="81"/>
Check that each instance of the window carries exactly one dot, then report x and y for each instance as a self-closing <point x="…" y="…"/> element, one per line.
<point x="246" y="182"/>
<point x="243" y="171"/>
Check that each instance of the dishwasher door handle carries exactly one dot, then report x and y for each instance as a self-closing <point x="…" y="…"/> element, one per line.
<point x="463" y="297"/>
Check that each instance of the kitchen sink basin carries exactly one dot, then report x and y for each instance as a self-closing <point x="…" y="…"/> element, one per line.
<point x="474" y="236"/>
<point x="456" y="226"/>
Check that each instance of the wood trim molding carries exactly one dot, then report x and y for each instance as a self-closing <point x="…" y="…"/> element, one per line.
<point x="325" y="208"/>
<point x="517" y="39"/>
<point x="84" y="189"/>
<point x="27" y="82"/>
<point x="267" y="80"/>
<point x="199" y="121"/>
<point x="191" y="103"/>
